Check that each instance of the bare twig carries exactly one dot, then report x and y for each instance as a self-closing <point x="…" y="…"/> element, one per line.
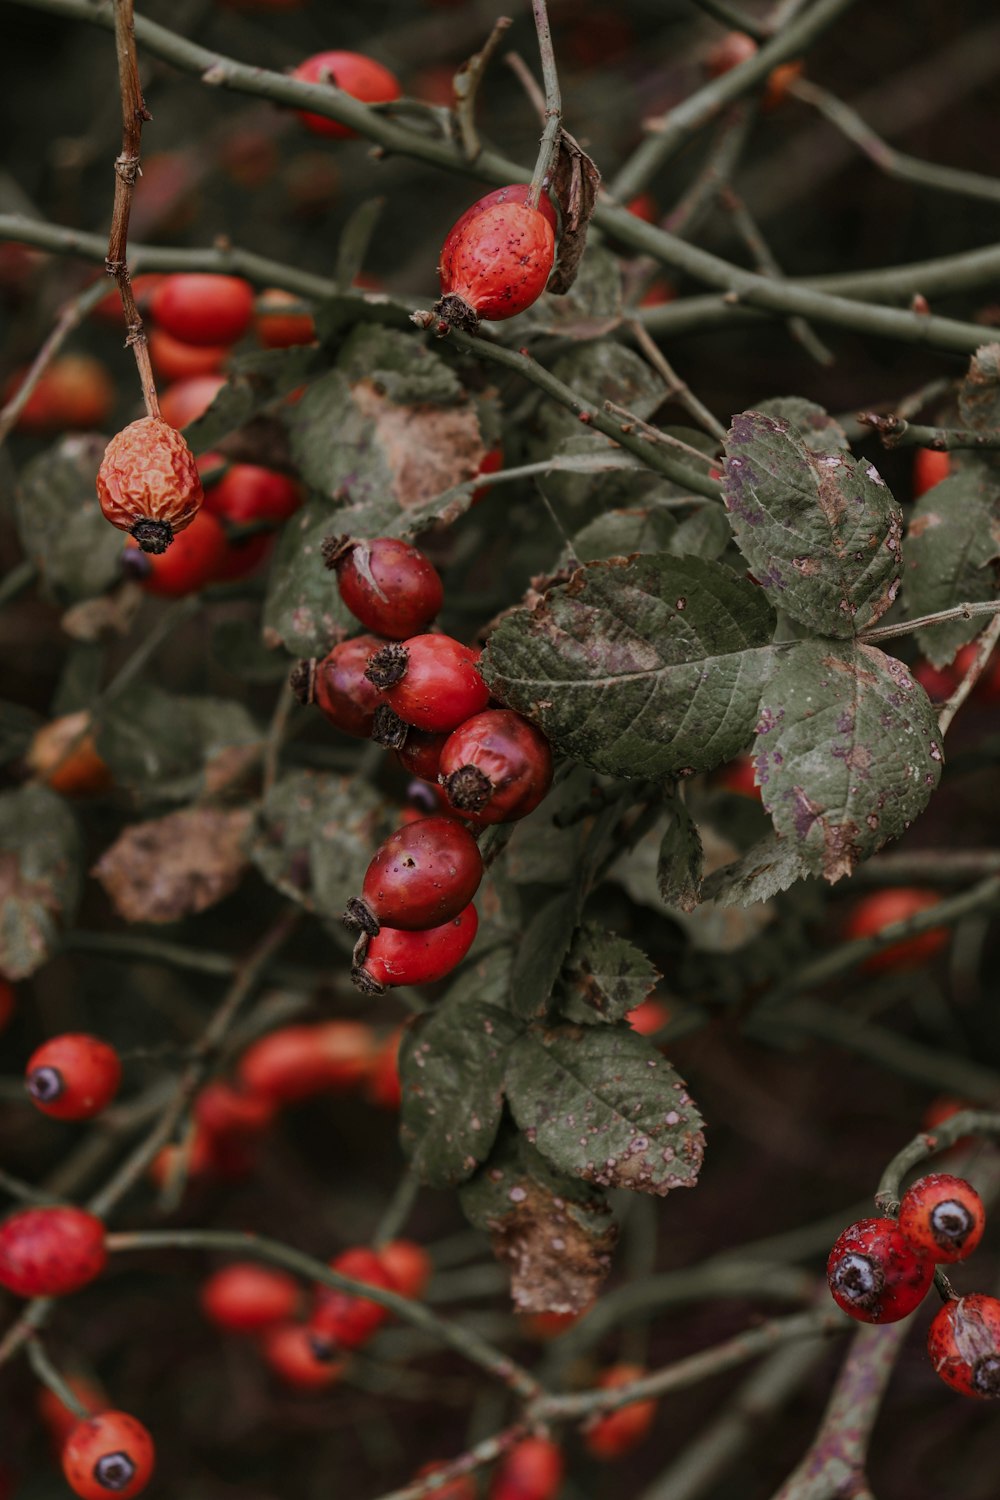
<point x="50" y="1376"/>
<point x="677" y="389"/>
<point x="927" y="1144"/>
<point x="553" y="104"/>
<point x="941" y="617"/>
<point x="895" y="431"/>
<point x="466" y="85"/>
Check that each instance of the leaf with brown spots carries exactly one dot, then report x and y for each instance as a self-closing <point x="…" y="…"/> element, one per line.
<point x="950" y="553"/>
<point x="554" y="1235"/>
<point x="172" y="867"/>
<point x="39" y="876"/>
<point x="847" y="752"/>
<point x="979" y="396"/>
<point x="600" y="1102"/>
<point x="818" y="528"/>
<point x="604" y="977"/>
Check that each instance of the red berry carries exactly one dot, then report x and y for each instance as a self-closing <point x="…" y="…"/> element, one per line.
<point x="930" y="466"/>
<point x="247" y="1298"/>
<point x="881" y="909"/>
<point x="359" y="76"/>
<point x="964" y="1345"/>
<point x="737" y="775"/>
<point x="943" y="1217"/>
<point x="532" y="1470"/>
<point x="644" y="206"/>
<point x="75" y="391"/>
<point x="649" y="1017"/>
<point x="196" y="559"/>
<point x="387" y="584"/>
<point x="173" y="359"/>
<point x="7" y="1003"/>
<point x="496" y="767"/>
<point x="422" y="875"/>
<point x="281" y="330"/>
<point x="248" y="493"/>
<point x="73" y="1076"/>
<point x="420" y="753"/>
<point x="48" y="1252"/>
<point x="340" y="687"/>
<point x="382" y="1086"/>
<point x="407" y="1265"/>
<point x="396" y="957"/>
<point x="202" y="309"/>
<point x="875" y="1274"/>
<point x="63" y="753"/>
<point x="111" y="1454"/>
<point x="288" y="1349"/>
<point x="222" y="1110"/>
<point x="496" y="266"/>
<point x="620" y="1431"/>
<point x="430" y="681"/>
<point x="148" y="483"/>
<point x="186" y="400"/>
<point x="342" y="1320"/>
<point x="545" y="1326"/>
<point x="515" y="192"/>
<point x="937" y="682"/>
<point x="297" y="1061"/>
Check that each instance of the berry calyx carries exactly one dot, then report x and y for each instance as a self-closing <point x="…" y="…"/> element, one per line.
<point x="110" y="1454"/>
<point x="398" y="957"/>
<point x="942" y="1217"/>
<point x="49" y="1252"/>
<point x="496" y="266"/>
<point x="73" y="1076"/>
<point x="430" y="681"/>
<point x="342" y="1320"/>
<point x="964" y="1345"/>
<point x="422" y="875"/>
<point x="357" y="75"/>
<point x="875" y="1274"/>
<point x="202" y="308"/>
<point x="148" y="483"/>
<point x="340" y="687"/>
<point x="387" y="584"/>
<point x="496" y="767"/>
<point x="247" y="1298"/>
<point x="620" y="1431"/>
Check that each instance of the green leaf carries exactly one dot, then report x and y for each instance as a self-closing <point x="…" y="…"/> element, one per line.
<point x="316" y="833"/>
<point x="600" y="1102"/>
<point x="17" y="730"/>
<point x="554" y="1234"/>
<point x="237" y="647"/>
<point x="704" y="532"/>
<point x="40" y="856"/>
<point x="588" y="469"/>
<point x="619" y="533"/>
<point x="591" y="308"/>
<point x="255" y="380"/>
<point x="640" y="668"/>
<point x="820" y="530"/>
<point x="398" y="366"/>
<point x="952" y="540"/>
<point x="679" y="867"/>
<point x="303" y="610"/>
<point x="770" y="866"/>
<point x="542" y="952"/>
<point x="818" y="430"/>
<point x="848" y="751"/>
<point x="62" y="530"/>
<point x="452" y="1068"/>
<point x="604" y="977"/>
<point x="166" y="747"/>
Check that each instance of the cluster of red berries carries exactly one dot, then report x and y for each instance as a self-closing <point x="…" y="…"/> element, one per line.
<point x="880" y="1269"/>
<point x="420" y="693"/>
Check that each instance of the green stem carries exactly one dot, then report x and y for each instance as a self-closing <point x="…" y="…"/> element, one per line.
<point x="984" y="607"/>
<point x="896" y="432"/>
<point x="398" y="1209"/>
<point x="929" y="1143"/>
<point x="553" y="103"/>
<point x="728" y="15"/>
<point x="49" y="1376"/>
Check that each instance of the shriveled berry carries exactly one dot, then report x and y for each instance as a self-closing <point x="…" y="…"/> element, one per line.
<point x="247" y="1298"/>
<point x="387" y="584"/>
<point x="203" y="309"/>
<point x="532" y="1470"/>
<point x="421" y="876"/>
<point x="110" y="1454"/>
<point x="942" y="1217"/>
<point x="618" y="1432"/>
<point x="342" y="1320"/>
<point x="875" y="1274"/>
<point x="397" y="957"/>
<point x="341" y="689"/>
<point x="964" y="1345"/>
<point x="73" y="1076"/>
<point x="431" y="681"/>
<point x="197" y="558"/>
<point x="296" y="1061"/>
<point x="148" y="483"/>
<point x="289" y="1352"/>
<point x="496" y="767"/>
<point x="496" y="266"/>
<point x="408" y="1266"/>
<point x="48" y="1252"/>
<point x="357" y="75"/>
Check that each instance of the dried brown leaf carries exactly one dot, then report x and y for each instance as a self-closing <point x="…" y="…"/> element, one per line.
<point x="172" y="867"/>
<point x="575" y="181"/>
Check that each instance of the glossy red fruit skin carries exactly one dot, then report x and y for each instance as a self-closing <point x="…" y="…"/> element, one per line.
<point x="620" y="1431"/>
<point x="532" y="1470"/>
<point x="342" y="1320"/>
<point x="297" y="1061"/>
<point x="930" y="466"/>
<point x="148" y="483"/>
<point x="396" y="957"/>
<point x="203" y="309"/>
<point x="882" y="908"/>
<point x="289" y="1352"/>
<point x="942" y="1217"/>
<point x="49" y="1252"/>
<point x="248" y="1298"/>
<point x="111" y="1454"/>
<point x="341" y="689"/>
<point x="249" y="492"/>
<point x="422" y="875"/>
<point x="420" y="754"/>
<point x="173" y="359"/>
<point x="407" y="1265"/>
<point x="75" y="391"/>
<point x="283" y="330"/>
<point x="73" y="1076"/>
<point x="382" y="1086"/>
<point x="496" y="266"/>
<point x="875" y="1274"/>
<point x="431" y="681"/>
<point x="196" y="559"/>
<point x="186" y="400"/>
<point x="361" y="77"/>
<point x="496" y="767"/>
<point x="515" y="192"/>
<point x="389" y="585"/>
<point x="222" y="1110"/>
<point x="964" y="1345"/>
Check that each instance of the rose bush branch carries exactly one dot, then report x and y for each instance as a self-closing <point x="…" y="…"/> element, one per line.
<point x="985" y="646"/>
<point x="49" y="1376"/>
<point x="895" y="432"/>
<point x="928" y="1143"/>
<point x="553" y="103"/>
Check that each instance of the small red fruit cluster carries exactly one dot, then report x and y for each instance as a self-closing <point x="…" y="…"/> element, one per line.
<point x="420" y="693"/>
<point x="880" y="1269"/>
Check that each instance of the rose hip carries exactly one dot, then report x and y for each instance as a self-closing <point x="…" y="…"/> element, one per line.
<point x="942" y="1217"/>
<point x="73" y="1076"/>
<point x="48" y="1252"/>
<point x="398" y="957"/>
<point x="496" y="266"/>
<point x="964" y="1345"/>
<point x="387" y="584"/>
<point x="148" y="483"/>
<point x="422" y="875"/>
<point x="110" y="1454"/>
<point x="875" y="1274"/>
<point x="496" y="767"/>
<point x="340" y="687"/>
<point x="431" y="681"/>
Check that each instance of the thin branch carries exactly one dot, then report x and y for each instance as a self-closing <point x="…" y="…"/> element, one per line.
<point x="737" y="20"/>
<point x="678" y="389"/>
<point x="466" y="85"/>
<point x="984" y="650"/>
<point x="49" y="1376"/>
<point x="71" y="317"/>
<point x="482" y="1453"/>
<point x="969" y="611"/>
<point x="895" y="432"/>
<point x="631" y="422"/>
<point x="928" y="1143"/>
<point x="553" y="104"/>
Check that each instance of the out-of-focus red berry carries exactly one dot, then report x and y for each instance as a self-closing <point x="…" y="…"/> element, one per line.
<point x="881" y="909"/>
<point x="620" y="1431"/>
<point x="175" y="360"/>
<point x="75" y="391"/>
<point x="383" y="1086"/>
<point x="341" y="1319"/>
<point x="532" y="1470"/>
<point x="277" y="329"/>
<point x="246" y="1297"/>
<point x="204" y="309"/>
<point x="296" y="1061"/>
<point x="407" y="1265"/>
<point x="361" y="77"/>
<point x="290" y="1353"/>
<point x="930" y="466"/>
<point x="186" y="400"/>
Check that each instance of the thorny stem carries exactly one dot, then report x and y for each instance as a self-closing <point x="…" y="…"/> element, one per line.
<point x="928" y="1143"/>
<point x="553" y="103"/>
<point x="134" y="112"/>
<point x="940" y="617"/>
<point x="71" y="316"/>
<point x="49" y="1376"/>
<point x="482" y="1453"/>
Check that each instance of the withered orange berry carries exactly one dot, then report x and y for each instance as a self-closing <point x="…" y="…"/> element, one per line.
<point x="148" y="483"/>
<point x="964" y="1345"/>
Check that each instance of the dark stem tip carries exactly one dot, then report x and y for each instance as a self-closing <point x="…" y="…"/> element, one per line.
<point x="153" y="536"/>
